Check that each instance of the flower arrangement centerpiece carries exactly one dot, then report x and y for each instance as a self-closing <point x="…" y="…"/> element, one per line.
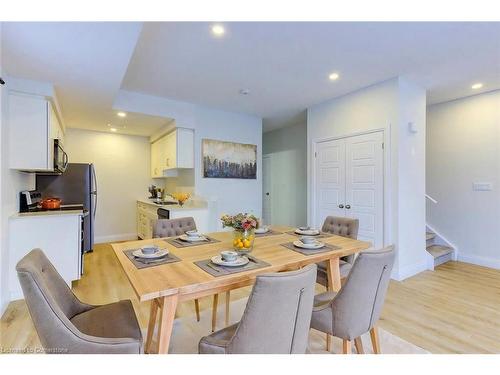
<point x="181" y="198"/>
<point x="243" y="234"/>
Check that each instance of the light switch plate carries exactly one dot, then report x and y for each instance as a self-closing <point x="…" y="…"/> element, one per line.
<point x="482" y="186"/>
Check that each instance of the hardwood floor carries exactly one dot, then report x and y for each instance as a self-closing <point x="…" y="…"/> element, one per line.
<point x="455" y="309"/>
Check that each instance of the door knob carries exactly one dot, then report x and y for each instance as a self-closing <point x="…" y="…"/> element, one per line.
<point x="341" y="206"/>
<point x="348" y="206"/>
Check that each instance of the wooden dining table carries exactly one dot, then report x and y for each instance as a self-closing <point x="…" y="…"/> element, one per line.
<point x="168" y="284"/>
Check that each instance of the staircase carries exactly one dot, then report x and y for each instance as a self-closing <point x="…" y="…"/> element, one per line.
<point x="438" y="248"/>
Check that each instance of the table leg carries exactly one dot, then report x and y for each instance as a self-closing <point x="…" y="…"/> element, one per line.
<point x="151" y="325"/>
<point x="169" y="305"/>
<point x="228" y="302"/>
<point x="214" y="311"/>
<point x="333" y="271"/>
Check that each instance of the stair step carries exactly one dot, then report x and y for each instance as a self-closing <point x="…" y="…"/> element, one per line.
<point x="438" y="250"/>
<point x="430" y="236"/>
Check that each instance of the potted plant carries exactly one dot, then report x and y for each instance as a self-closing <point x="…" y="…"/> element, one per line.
<point x="244" y="226"/>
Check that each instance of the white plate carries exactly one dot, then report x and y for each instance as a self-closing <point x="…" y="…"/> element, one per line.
<point x="262" y="230"/>
<point x="312" y="246"/>
<point x="186" y="238"/>
<point x="309" y="232"/>
<point x="240" y="261"/>
<point x="160" y="253"/>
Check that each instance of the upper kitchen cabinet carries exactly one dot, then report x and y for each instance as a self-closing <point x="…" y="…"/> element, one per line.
<point x="34" y="126"/>
<point x="172" y="151"/>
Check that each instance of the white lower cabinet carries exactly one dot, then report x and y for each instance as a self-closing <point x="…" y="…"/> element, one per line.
<point x="147" y="216"/>
<point x="59" y="237"/>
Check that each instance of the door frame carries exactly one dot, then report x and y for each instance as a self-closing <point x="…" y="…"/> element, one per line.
<point x="270" y="158"/>
<point x="386" y="176"/>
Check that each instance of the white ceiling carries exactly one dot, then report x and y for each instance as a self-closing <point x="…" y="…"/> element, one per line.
<point x="284" y="65"/>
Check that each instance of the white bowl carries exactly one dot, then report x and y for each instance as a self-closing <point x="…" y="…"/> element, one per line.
<point x="193" y="233"/>
<point x="308" y="240"/>
<point x="148" y="250"/>
<point x="229" y="255"/>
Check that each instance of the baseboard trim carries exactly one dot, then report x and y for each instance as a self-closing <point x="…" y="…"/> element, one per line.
<point x="409" y="271"/>
<point x="115" y="237"/>
<point x="480" y="261"/>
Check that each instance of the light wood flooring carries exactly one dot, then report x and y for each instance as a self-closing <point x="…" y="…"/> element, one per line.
<point x="455" y="309"/>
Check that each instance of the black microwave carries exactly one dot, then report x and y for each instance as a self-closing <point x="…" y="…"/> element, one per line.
<point x="60" y="157"/>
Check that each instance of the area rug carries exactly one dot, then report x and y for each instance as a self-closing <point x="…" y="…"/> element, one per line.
<point x="187" y="332"/>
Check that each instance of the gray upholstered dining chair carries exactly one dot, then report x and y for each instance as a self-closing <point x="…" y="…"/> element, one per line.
<point x="345" y="227"/>
<point x="65" y="324"/>
<point x="173" y="227"/>
<point x="356" y="308"/>
<point x="177" y="227"/>
<point x="276" y="318"/>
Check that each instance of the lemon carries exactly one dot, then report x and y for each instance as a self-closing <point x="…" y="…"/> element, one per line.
<point x="246" y="244"/>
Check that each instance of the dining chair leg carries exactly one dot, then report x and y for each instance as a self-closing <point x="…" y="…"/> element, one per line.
<point x="346" y="347"/>
<point x="328" y="342"/>
<point x="228" y="303"/>
<point x="214" y="311"/>
<point x="151" y="325"/>
<point x="197" y="308"/>
<point x="375" y="340"/>
<point x="359" y="345"/>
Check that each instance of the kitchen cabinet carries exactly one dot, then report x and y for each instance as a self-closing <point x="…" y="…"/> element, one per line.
<point x="172" y="151"/>
<point x="59" y="235"/>
<point x="147" y="216"/>
<point x="33" y="128"/>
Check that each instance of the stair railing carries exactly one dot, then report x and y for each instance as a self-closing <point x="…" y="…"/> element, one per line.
<point x="431" y="199"/>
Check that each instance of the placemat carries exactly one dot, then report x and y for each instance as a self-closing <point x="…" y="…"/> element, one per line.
<point x="216" y="270"/>
<point x="145" y="263"/>
<point x="327" y="247"/>
<point x="180" y="243"/>
<point x="270" y="232"/>
<point x="320" y="235"/>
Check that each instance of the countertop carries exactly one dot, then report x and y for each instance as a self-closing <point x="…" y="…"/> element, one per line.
<point x="191" y="204"/>
<point x="49" y="213"/>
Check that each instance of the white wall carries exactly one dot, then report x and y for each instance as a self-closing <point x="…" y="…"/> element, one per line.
<point x="287" y="148"/>
<point x="11" y="183"/>
<point x="224" y="195"/>
<point x="122" y="165"/>
<point x="463" y="147"/>
<point x="389" y="105"/>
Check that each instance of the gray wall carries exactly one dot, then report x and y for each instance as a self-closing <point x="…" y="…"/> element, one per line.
<point x="463" y="147"/>
<point x="287" y="148"/>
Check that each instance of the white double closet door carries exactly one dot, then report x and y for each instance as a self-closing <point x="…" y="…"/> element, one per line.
<point x="349" y="182"/>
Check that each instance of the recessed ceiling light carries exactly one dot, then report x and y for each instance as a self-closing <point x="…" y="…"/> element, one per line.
<point x="121" y="114"/>
<point x="113" y="129"/>
<point x="218" y="30"/>
<point x="333" y="76"/>
<point x="476" y="86"/>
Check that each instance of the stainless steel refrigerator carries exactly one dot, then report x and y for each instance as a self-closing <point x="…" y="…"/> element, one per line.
<point x="77" y="185"/>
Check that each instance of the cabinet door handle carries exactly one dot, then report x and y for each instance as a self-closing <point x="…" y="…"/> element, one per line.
<point x="341" y="206"/>
<point x="348" y="206"/>
<point x="168" y="162"/>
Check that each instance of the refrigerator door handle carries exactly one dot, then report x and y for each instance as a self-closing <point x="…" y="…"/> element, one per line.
<point x="94" y="192"/>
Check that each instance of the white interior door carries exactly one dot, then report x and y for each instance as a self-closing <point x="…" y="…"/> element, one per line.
<point x="365" y="185"/>
<point x="266" y="190"/>
<point x="349" y="182"/>
<point x="330" y="180"/>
